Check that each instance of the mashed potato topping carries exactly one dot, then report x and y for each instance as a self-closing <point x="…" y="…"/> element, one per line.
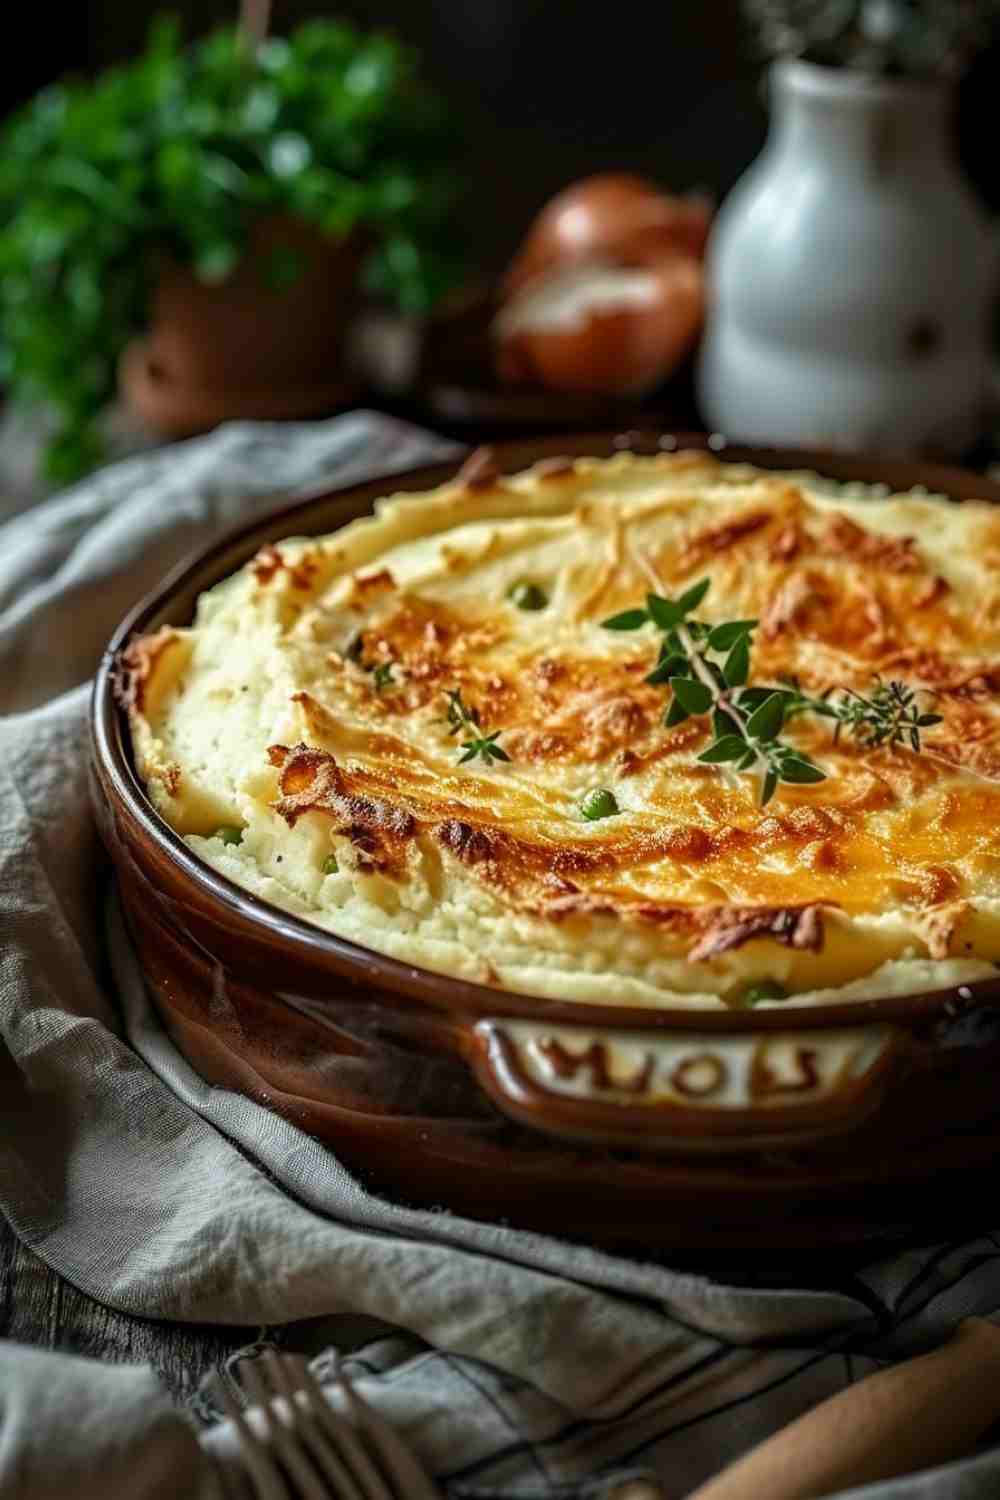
<point x="298" y="735"/>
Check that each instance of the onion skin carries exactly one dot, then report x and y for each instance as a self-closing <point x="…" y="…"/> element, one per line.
<point x="614" y="216"/>
<point x="614" y="349"/>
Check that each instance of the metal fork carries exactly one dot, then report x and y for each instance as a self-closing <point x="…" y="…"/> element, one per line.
<point x="299" y="1448"/>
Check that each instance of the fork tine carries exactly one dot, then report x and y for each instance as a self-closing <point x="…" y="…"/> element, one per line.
<point x="280" y="1435"/>
<point x="403" y="1468"/>
<point x="264" y="1474"/>
<point x="348" y="1443"/>
<point x="314" y="1438"/>
<point x="255" y="1389"/>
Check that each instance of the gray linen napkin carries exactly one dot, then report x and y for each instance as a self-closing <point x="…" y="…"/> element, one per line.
<point x="68" y="1427"/>
<point x="518" y="1365"/>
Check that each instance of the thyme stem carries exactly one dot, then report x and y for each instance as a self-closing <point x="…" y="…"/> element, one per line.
<point x="703" y="672"/>
<point x="723" y="702"/>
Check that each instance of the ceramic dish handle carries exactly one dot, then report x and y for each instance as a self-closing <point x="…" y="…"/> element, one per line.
<point x="685" y="1091"/>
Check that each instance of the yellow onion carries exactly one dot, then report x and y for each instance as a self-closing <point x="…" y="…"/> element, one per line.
<point x="599" y="327"/>
<point x="614" y="216"/>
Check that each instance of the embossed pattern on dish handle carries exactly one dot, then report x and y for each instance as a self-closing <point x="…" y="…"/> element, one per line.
<point x="685" y="1090"/>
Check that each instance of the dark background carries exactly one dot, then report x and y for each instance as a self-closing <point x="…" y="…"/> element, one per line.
<point x="543" y="90"/>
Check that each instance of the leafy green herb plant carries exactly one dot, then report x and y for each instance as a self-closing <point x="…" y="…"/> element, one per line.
<point x="182" y="151"/>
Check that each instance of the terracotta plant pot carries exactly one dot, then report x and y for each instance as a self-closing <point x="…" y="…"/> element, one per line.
<point x="248" y="347"/>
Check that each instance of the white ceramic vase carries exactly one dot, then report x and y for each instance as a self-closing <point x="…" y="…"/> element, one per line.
<point x="851" y="275"/>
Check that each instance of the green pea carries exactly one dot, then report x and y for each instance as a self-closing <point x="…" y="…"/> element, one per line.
<point x="330" y="865"/>
<point x="600" y="803"/>
<point x="764" y="989"/>
<point x="229" y="835"/>
<point x="528" y="596"/>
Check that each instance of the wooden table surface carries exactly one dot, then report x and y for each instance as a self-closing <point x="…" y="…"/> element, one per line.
<point x="38" y="1307"/>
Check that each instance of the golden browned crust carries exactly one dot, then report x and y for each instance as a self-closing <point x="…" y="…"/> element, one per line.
<point x="554" y="468"/>
<point x="136" y="665"/>
<point x="715" y="539"/>
<point x="844" y="538"/>
<point x="939" y="925"/>
<point x="864" y="598"/>
<point x="269" y="562"/>
<point x="381" y="635"/>
<point x="311" y="781"/>
<point x="728" y="927"/>
<point x="480" y="470"/>
<point x="169" y="777"/>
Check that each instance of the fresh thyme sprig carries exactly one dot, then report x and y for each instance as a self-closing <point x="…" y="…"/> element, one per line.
<point x="891" y="715"/>
<point x="463" y="718"/>
<point x="746" y="725"/>
<point x="748" y="720"/>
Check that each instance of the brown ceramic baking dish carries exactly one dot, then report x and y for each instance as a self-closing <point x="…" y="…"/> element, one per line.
<point x="663" y="1128"/>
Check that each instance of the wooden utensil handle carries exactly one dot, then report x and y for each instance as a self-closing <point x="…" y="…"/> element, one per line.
<point x="913" y="1416"/>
